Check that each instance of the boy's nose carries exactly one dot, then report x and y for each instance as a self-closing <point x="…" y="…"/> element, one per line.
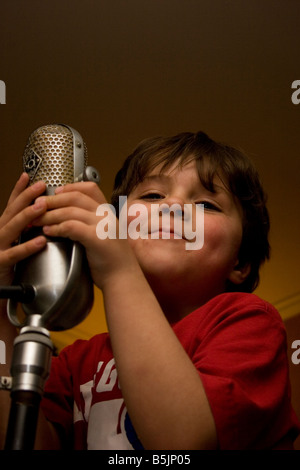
<point x="173" y="206"/>
<point x="175" y="200"/>
<point x="172" y="209"/>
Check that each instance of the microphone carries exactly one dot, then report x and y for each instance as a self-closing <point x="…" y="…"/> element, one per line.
<point x="54" y="286"/>
<point x="56" y="282"/>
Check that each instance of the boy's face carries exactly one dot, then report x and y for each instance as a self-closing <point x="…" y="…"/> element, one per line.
<point x="171" y="269"/>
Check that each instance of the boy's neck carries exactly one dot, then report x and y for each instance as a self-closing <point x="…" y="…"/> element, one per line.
<point x="176" y="304"/>
<point x="178" y="307"/>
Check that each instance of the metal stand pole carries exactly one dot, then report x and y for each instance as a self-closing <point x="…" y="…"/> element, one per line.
<point x="29" y="370"/>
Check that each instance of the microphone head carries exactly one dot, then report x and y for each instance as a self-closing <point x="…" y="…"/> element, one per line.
<point x="55" y="154"/>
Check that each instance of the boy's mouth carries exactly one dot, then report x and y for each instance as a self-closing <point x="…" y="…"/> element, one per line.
<point x="166" y="234"/>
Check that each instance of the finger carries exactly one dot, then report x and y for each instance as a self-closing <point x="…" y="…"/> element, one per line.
<point x="12" y="229"/>
<point x="20" y="200"/>
<point x="17" y="253"/>
<point x="85" y="187"/>
<point x="20" y="185"/>
<point x="30" y="194"/>
<point x="70" y="199"/>
<point x="60" y="215"/>
<point x="74" y="229"/>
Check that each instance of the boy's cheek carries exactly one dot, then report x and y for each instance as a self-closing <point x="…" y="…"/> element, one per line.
<point x="219" y="235"/>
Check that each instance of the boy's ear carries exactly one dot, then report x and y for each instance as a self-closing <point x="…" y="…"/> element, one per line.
<point x="239" y="273"/>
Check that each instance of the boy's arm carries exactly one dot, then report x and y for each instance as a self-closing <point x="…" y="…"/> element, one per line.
<point x="163" y="392"/>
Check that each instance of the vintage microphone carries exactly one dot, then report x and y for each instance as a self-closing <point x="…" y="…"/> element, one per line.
<point x="52" y="289"/>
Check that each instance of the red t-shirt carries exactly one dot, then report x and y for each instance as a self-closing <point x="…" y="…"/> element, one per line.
<point x="237" y="343"/>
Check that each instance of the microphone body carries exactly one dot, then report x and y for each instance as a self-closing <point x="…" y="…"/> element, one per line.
<point x="59" y="274"/>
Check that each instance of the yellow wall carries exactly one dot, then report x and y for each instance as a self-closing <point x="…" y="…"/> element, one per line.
<point x="95" y="323"/>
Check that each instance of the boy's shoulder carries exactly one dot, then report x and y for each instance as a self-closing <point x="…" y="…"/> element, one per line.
<point x="86" y="350"/>
<point x="232" y="310"/>
<point x="232" y="302"/>
<point x="239" y="299"/>
<point x="232" y="321"/>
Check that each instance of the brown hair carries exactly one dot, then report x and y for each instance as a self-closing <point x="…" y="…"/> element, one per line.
<point x="232" y="166"/>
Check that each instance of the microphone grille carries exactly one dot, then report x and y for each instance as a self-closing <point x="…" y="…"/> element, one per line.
<point x="49" y="155"/>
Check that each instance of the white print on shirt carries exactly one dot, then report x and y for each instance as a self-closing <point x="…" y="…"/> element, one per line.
<point x="106" y="383"/>
<point x="108" y="378"/>
<point x="105" y="418"/>
<point x="296" y="354"/>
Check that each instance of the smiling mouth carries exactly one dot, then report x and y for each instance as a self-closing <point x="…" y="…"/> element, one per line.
<point x="165" y="235"/>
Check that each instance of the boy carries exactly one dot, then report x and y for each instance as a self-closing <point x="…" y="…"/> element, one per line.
<point x="193" y="359"/>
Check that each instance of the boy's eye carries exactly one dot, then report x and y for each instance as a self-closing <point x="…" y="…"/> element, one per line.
<point x="209" y="206"/>
<point x="152" y="196"/>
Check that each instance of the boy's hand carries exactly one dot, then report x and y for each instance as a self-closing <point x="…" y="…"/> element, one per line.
<point x="18" y="214"/>
<point x="71" y="213"/>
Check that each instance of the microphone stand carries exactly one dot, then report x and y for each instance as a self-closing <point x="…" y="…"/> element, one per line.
<point x="33" y="348"/>
<point x="32" y="353"/>
<point x="30" y="367"/>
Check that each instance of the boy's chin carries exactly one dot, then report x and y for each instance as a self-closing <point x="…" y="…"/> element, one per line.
<point x="164" y="269"/>
<point x="159" y="246"/>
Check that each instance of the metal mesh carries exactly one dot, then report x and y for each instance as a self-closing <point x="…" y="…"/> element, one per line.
<point x="48" y="155"/>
